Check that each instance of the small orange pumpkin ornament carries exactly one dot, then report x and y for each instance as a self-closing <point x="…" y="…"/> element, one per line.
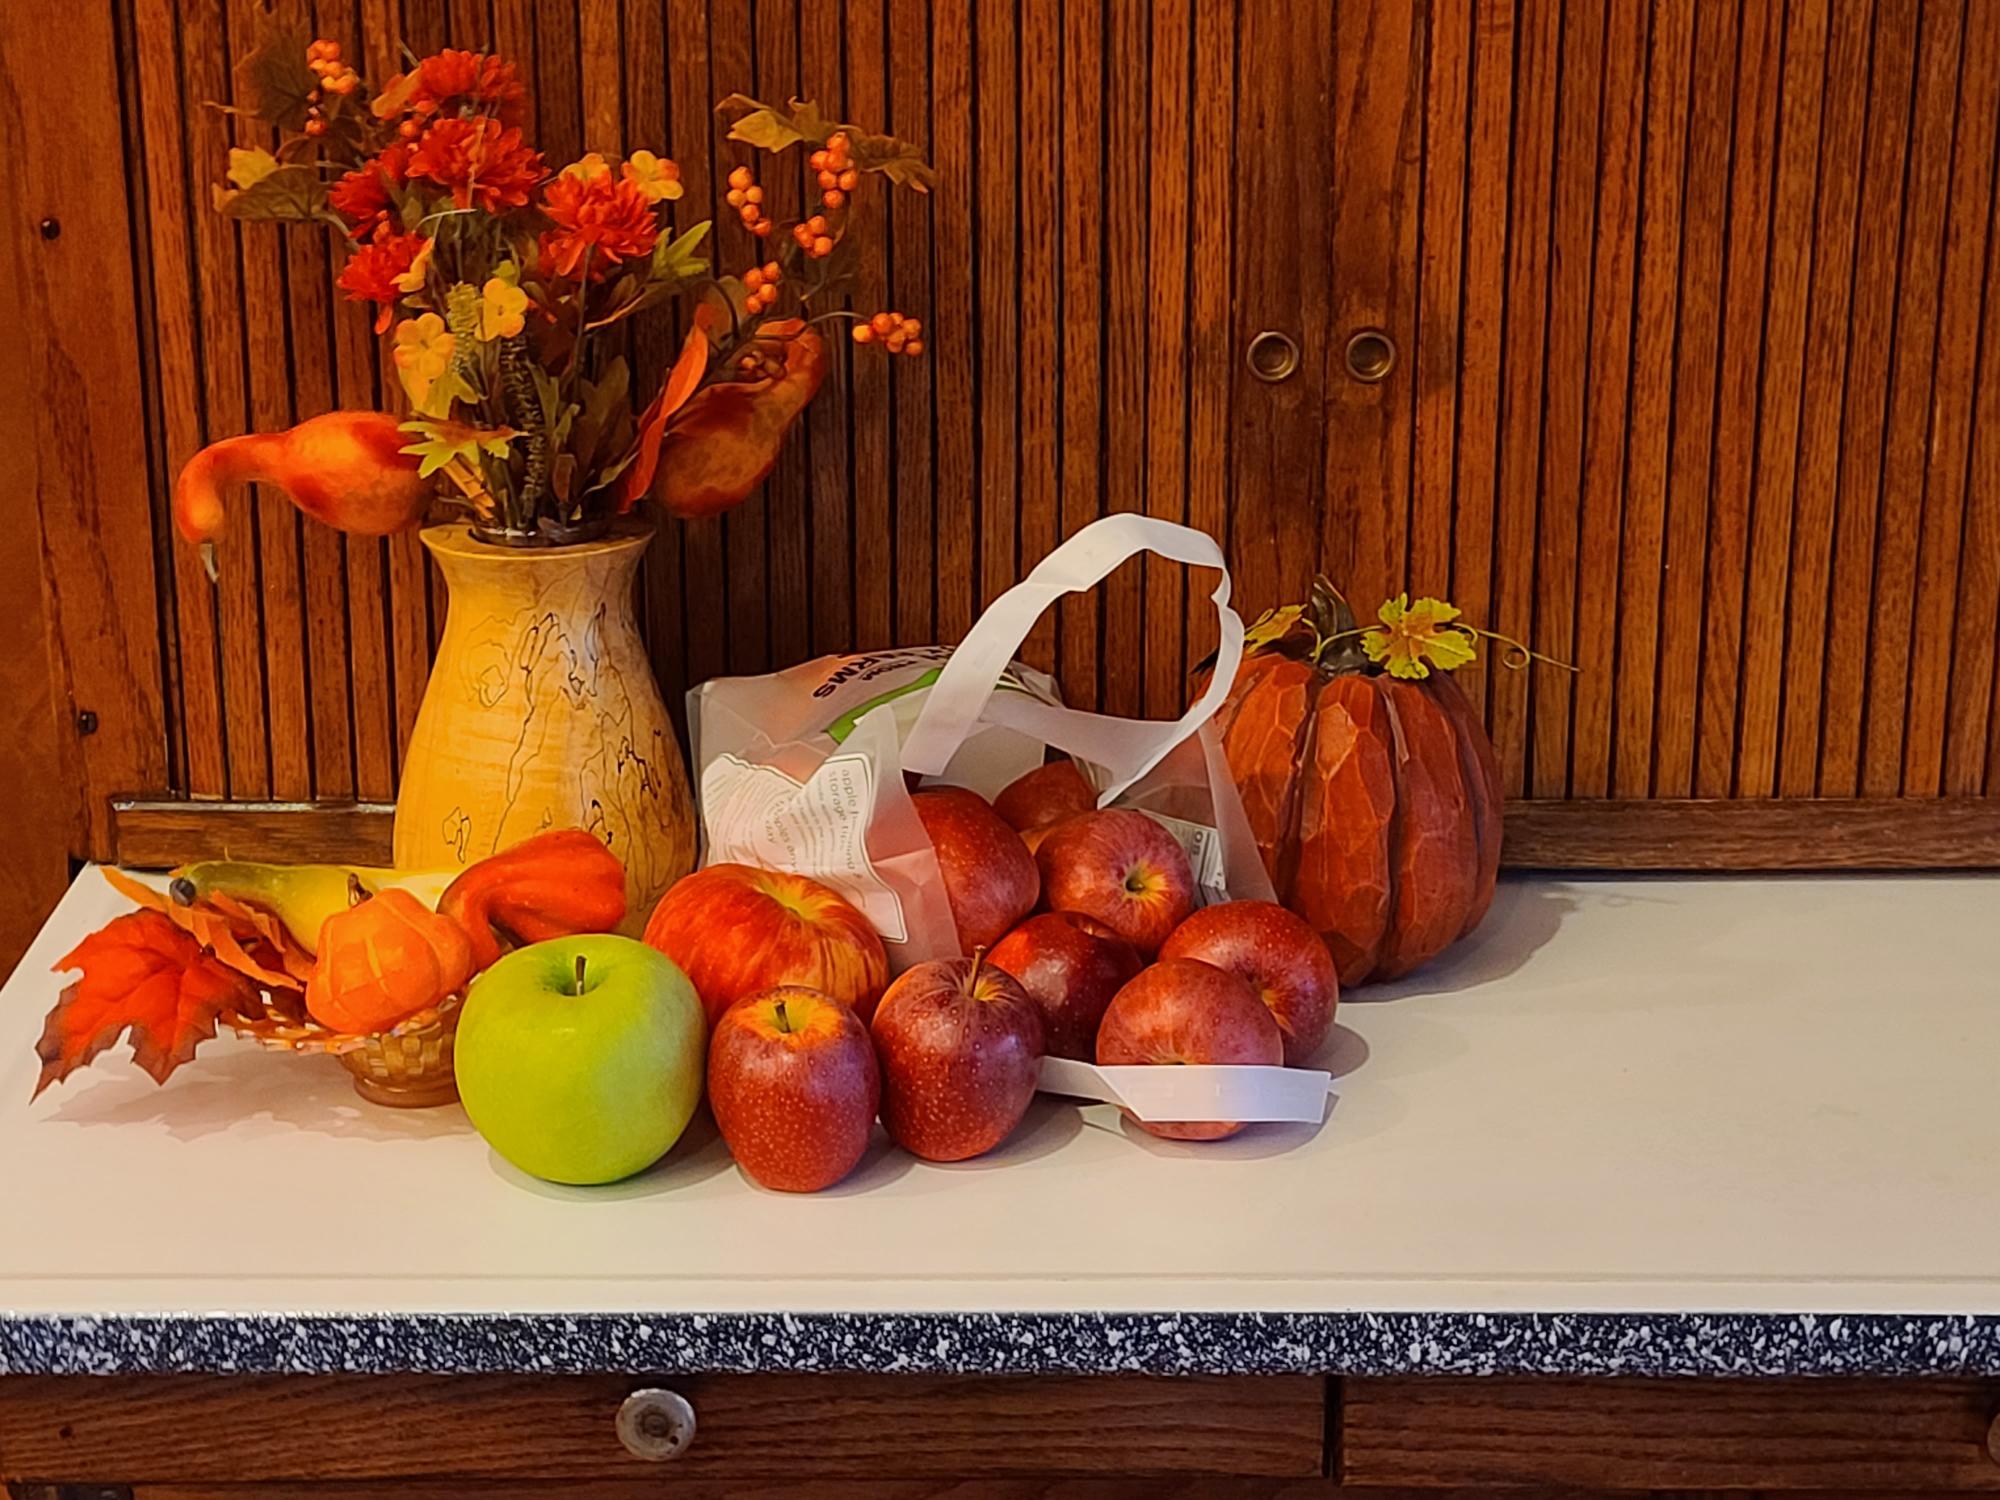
<point x="1368" y="780"/>
<point x="383" y="961"/>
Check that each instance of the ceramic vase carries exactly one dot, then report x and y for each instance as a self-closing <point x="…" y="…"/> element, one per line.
<point x="542" y="712"/>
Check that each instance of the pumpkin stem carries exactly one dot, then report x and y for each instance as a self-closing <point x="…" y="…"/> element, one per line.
<point x="580" y="986"/>
<point x="1338" y="648"/>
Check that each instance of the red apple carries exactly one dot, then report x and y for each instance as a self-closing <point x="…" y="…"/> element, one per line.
<point x="736" y="930"/>
<point x="1122" y="868"/>
<point x="1181" y="1011"/>
<point x="1046" y="795"/>
<point x="961" y="1046"/>
<point x="1070" y="965"/>
<point x="1281" y="957"/>
<point x="989" y="875"/>
<point x="794" y="1085"/>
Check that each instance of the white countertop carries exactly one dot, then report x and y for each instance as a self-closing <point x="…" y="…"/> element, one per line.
<point x="1753" y="1095"/>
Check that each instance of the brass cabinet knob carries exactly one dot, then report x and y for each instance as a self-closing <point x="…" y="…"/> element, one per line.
<point x="1272" y="356"/>
<point x="1371" y="355"/>
<point x="1993" y="1438"/>
<point x="656" y="1425"/>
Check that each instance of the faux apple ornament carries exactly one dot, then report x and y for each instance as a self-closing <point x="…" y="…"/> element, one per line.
<point x="580" y="1059"/>
<point x="794" y="1085"/>
<point x="737" y="930"/>
<point x="1122" y="868"/>
<point x="961" y="1045"/>
<point x="989" y="875"/>
<point x="1182" y="1010"/>
<point x="1070" y="965"/>
<point x="1046" y="795"/>
<point x="1280" y="955"/>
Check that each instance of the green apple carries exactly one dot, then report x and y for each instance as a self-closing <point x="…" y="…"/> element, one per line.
<point x="580" y="1059"/>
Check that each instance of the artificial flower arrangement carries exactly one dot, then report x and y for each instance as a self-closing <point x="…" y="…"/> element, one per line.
<point x="502" y="283"/>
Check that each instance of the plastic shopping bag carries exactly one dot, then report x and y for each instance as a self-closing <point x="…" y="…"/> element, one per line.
<point x="805" y="769"/>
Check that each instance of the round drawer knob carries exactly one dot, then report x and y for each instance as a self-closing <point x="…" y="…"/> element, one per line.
<point x="1371" y="355"/>
<point x="1272" y="356"/>
<point x="1993" y="1439"/>
<point x="656" y="1425"/>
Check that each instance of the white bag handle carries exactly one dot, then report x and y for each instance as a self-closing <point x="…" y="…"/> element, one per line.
<point x="1126" y="748"/>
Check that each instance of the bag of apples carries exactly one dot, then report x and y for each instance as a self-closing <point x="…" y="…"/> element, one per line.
<point x="916" y="783"/>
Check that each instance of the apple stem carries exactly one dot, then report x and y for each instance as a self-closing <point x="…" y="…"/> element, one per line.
<point x="978" y="958"/>
<point x="579" y="975"/>
<point x="784" y="1021"/>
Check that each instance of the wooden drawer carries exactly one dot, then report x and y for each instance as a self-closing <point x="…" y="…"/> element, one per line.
<point x="209" y="1429"/>
<point x="1670" y="1434"/>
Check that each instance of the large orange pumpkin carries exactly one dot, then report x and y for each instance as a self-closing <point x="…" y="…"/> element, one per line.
<point x="1375" y="801"/>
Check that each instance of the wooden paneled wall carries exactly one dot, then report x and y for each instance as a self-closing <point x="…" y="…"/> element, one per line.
<point x="1696" y="380"/>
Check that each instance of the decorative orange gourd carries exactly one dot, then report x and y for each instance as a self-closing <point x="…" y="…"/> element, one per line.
<point x="1375" y="799"/>
<point x="344" y="468"/>
<point x="556" y="884"/>
<point x="383" y="961"/>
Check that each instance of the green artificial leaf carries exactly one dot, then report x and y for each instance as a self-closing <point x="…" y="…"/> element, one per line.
<point x="248" y="167"/>
<point x="898" y="160"/>
<point x="610" y="472"/>
<point x="291" y="193"/>
<point x="602" y="401"/>
<point x="557" y="413"/>
<point x="770" y="127"/>
<point x="273" y="81"/>
<point x="674" y="261"/>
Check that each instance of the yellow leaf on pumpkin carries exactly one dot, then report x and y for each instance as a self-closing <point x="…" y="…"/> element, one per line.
<point x="1413" y="638"/>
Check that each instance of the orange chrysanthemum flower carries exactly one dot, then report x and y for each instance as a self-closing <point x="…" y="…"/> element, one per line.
<point x="485" y="164"/>
<point x="380" y="271"/>
<point x="362" y="197"/>
<point x="452" y="80"/>
<point x="610" y="217"/>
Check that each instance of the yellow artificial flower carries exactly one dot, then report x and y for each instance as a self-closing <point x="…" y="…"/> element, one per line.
<point x="503" y="309"/>
<point x="1414" y="637"/>
<point x="412" y="280"/>
<point x="657" y="176"/>
<point x="589" y="167"/>
<point x="423" y="353"/>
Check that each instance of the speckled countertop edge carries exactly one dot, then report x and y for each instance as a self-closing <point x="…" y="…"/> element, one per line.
<point x="1166" y="1343"/>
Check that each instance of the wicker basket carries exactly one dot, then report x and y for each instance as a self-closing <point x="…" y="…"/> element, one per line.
<point x="407" y="1067"/>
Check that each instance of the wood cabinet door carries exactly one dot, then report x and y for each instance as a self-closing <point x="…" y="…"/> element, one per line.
<point x="1656" y="334"/>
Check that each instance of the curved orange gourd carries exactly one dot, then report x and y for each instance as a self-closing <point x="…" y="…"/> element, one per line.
<point x="344" y="469"/>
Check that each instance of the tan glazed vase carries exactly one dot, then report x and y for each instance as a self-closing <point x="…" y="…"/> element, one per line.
<point x="542" y="712"/>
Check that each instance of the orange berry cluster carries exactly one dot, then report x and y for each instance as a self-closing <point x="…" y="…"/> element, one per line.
<point x="748" y="200"/>
<point x="837" y="175"/>
<point x="815" y="236"/>
<point x="335" y="77"/>
<point x="899" y="335"/>
<point x="761" y="282"/>
<point x="760" y="362"/>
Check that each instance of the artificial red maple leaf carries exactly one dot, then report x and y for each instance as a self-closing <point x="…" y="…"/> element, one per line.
<point x="142" y="974"/>
<point x="247" y="938"/>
